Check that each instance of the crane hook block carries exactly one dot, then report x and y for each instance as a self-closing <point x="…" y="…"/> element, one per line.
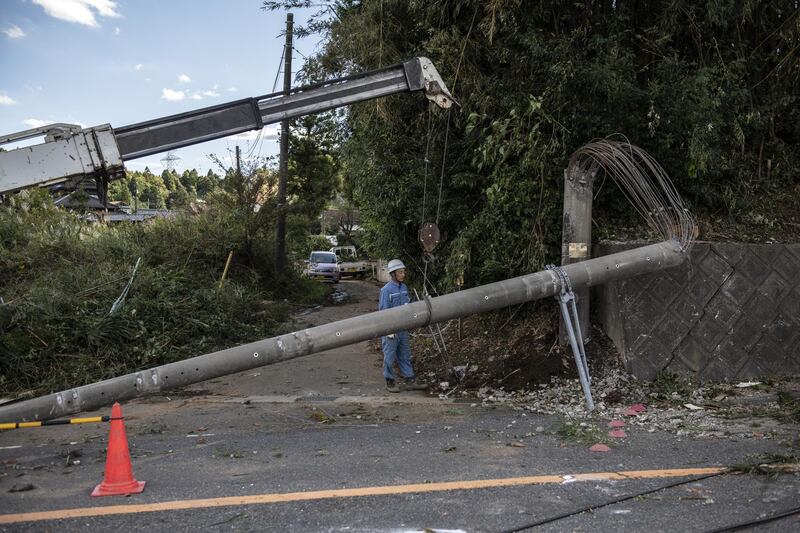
<point x="429" y="236"/>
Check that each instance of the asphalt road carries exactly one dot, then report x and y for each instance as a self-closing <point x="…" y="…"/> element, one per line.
<point x="297" y="450"/>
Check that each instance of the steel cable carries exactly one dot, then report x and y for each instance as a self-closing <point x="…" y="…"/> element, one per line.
<point x="643" y="182"/>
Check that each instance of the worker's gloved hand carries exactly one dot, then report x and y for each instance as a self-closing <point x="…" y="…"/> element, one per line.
<point x="390" y="336"/>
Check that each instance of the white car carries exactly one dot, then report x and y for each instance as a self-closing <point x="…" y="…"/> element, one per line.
<point x="323" y="266"/>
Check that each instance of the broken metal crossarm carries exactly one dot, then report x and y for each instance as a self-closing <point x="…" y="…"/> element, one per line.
<point x="345" y="332"/>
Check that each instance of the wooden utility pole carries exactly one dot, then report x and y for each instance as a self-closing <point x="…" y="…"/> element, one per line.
<point x="238" y="163"/>
<point x="283" y="166"/>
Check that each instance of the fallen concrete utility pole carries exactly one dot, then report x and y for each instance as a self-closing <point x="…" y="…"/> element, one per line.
<point x="497" y="295"/>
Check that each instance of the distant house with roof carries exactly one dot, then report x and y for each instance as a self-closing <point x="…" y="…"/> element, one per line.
<point x="94" y="210"/>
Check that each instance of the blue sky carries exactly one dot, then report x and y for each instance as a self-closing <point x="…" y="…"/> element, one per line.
<point x="120" y="62"/>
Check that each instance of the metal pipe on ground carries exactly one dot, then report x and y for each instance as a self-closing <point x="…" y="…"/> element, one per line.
<point x="497" y="295"/>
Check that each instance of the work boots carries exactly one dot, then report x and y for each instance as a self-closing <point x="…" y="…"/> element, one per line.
<point x="413" y="384"/>
<point x="409" y="384"/>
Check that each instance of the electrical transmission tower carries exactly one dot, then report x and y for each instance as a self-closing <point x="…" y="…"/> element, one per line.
<point x="169" y="160"/>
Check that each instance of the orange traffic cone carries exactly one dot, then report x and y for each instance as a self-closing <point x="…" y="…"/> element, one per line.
<point x="119" y="478"/>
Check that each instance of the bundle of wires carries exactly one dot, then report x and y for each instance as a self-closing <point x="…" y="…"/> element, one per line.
<point x="646" y="185"/>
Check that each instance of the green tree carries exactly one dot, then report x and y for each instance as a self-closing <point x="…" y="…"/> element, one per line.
<point x="118" y="191"/>
<point x="313" y="166"/>
<point x="178" y="199"/>
<point x="189" y="181"/>
<point x="171" y="180"/>
<point x="249" y="196"/>
<point x="709" y="89"/>
<point x="207" y="184"/>
<point x="152" y="191"/>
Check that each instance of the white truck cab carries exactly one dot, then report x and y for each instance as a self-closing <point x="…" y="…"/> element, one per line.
<point x="349" y="262"/>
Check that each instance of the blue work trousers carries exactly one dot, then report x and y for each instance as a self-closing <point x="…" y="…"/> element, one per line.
<point x="397" y="349"/>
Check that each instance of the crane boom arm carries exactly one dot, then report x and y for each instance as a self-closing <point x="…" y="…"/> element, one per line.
<point x="73" y="153"/>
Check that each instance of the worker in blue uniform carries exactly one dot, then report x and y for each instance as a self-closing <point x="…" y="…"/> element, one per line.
<point x="396" y="347"/>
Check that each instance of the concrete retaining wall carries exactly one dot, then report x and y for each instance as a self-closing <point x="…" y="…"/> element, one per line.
<point x="731" y="312"/>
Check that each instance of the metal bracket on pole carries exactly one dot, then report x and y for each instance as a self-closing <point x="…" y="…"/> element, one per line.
<point x="573" y="327"/>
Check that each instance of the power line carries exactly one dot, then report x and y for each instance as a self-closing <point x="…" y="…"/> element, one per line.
<point x="259" y="140"/>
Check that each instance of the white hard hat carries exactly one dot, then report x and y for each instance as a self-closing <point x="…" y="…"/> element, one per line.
<point x="395" y="264"/>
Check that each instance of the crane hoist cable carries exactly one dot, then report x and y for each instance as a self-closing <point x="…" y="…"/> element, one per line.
<point x="429" y="232"/>
<point x="444" y="162"/>
<point x="428" y="241"/>
<point x="426" y="161"/>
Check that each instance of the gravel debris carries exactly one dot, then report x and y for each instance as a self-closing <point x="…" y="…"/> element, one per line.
<point x="725" y="410"/>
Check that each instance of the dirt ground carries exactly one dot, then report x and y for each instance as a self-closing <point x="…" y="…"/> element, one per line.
<point x="349" y="371"/>
<point x="499" y="351"/>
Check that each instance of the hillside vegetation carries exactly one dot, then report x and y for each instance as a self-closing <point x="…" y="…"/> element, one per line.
<point x="60" y="276"/>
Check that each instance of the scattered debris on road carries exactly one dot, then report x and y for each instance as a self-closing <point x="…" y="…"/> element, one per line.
<point x="339" y="296"/>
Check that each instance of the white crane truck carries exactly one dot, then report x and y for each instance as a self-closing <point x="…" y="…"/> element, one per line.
<point x="72" y="154"/>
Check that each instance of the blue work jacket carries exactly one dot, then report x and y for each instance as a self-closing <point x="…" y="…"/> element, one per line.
<point x="393" y="294"/>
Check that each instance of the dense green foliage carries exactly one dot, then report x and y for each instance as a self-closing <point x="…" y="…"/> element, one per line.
<point x="170" y="190"/>
<point x="314" y="167"/>
<point x="59" y="277"/>
<point x="708" y="88"/>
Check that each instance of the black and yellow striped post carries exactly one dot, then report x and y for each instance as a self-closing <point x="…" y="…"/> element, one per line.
<point x="65" y="421"/>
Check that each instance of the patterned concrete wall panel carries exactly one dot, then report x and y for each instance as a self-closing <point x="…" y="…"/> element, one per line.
<point x="732" y="311"/>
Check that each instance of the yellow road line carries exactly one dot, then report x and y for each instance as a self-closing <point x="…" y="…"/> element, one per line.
<point x="177" y="505"/>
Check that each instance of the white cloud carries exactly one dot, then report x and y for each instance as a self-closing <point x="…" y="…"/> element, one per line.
<point x="183" y="78"/>
<point x="14" y="32"/>
<point x="246" y="136"/>
<point x="271" y="132"/>
<point x="172" y="96"/>
<point x="117" y="31"/>
<point x="268" y="133"/>
<point x="139" y="66"/>
<point x="232" y="89"/>
<point x="6" y="100"/>
<point x="203" y="94"/>
<point x="36" y="123"/>
<point x="79" y="11"/>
